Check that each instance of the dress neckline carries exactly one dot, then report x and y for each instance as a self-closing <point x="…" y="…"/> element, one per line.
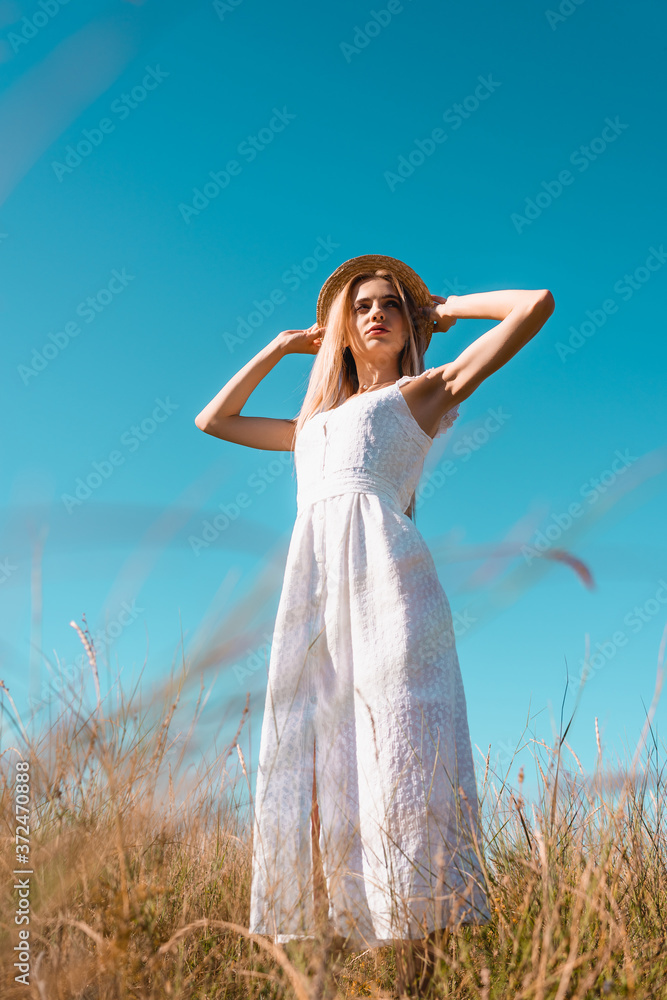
<point x="393" y="385"/>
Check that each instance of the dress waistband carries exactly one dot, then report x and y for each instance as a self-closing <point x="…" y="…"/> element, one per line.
<point x="348" y="481"/>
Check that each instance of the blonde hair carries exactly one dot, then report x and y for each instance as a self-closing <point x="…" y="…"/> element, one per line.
<point x="333" y="377"/>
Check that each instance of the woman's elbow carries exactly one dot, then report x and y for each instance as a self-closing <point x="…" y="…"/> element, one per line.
<point x="546" y="301"/>
<point x="204" y="425"/>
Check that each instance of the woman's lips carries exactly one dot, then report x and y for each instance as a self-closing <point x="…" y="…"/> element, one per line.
<point x="374" y="330"/>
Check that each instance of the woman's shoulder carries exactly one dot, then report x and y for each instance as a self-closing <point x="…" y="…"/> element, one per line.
<point x="425" y="375"/>
<point x="448" y="418"/>
<point x="410" y="378"/>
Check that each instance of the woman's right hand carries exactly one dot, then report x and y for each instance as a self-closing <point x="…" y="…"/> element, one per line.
<point x="301" y="341"/>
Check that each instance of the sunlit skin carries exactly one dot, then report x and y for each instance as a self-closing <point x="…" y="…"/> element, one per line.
<point x="519" y="313"/>
<point x="376" y="351"/>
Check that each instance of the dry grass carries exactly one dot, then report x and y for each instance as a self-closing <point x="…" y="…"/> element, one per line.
<point x="139" y="891"/>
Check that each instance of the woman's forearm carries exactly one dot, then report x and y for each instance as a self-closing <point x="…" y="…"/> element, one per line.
<point x="234" y="394"/>
<point x="487" y="305"/>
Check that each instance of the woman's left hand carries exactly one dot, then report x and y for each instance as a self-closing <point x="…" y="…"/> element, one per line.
<point x="440" y="315"/>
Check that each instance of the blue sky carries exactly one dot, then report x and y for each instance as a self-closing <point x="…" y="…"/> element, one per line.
<point x="178" y="181"/>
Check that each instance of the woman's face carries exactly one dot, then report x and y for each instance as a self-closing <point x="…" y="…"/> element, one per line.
<point x="378" y="330"/>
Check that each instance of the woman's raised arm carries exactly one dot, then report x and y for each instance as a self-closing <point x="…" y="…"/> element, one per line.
<point x="522" y="313"/>
<point x="222" y="416"/>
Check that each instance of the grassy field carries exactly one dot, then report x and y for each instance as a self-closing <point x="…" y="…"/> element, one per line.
<point x="142" y="891"/>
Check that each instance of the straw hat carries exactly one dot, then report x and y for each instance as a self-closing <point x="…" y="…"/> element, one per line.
<point x="371" y="262"/>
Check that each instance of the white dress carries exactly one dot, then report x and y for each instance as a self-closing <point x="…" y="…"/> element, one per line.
<point x="364" y="666"/>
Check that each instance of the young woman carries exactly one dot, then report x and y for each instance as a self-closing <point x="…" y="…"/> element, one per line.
<point x="365" y="713"/>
